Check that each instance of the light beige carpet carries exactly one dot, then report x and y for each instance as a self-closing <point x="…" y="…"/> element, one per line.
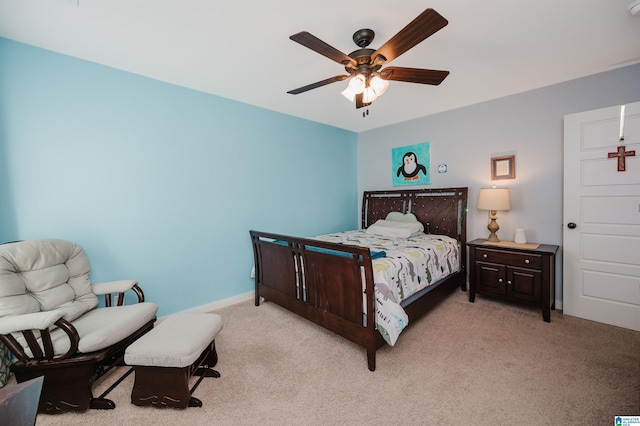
<point x="484" y="363"/>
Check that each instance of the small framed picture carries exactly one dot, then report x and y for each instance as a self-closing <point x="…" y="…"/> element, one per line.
<point x="503" y="167"/>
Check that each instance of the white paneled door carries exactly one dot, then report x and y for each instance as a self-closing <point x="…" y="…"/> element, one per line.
<point x="601" y="238"/>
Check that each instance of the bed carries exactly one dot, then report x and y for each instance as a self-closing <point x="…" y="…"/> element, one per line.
<point x="332" y="284"/>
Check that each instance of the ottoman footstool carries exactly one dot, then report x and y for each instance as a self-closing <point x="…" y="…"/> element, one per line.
<point x="164" y="359"/>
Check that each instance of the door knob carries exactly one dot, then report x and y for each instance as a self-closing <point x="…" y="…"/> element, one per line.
<point x="571" y="225"/>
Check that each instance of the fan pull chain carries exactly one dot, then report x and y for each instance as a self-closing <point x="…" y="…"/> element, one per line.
<point x="365" y="113"/>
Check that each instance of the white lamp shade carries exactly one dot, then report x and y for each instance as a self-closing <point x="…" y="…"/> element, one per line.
<point x="494" y="199"/>
<point x="369" y="95"/>
<point x="378" y="84"/>
<point x="357" y="83"/>
<point x="349" y="94"/>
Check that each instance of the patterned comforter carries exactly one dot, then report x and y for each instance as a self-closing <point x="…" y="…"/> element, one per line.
<point x="409" y="265"/>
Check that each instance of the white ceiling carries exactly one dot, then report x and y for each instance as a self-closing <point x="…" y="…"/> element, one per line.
<point x="241" y="50"/>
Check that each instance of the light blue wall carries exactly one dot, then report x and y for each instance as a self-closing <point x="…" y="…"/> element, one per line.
<point x="528" y="125"/>
<point x="158" y="182"/>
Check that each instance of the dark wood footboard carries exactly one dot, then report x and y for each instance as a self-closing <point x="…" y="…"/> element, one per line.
<point x="332" y="284"/>
<point x="322" y="282"/>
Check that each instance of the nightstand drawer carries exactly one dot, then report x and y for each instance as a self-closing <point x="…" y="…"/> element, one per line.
<point x="523" y="260"/>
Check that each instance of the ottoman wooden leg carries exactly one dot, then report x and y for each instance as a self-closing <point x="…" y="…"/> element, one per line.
<point x="169" y="386"/>
<point x="212" y="357"/>
<point x="210" y="360"/>
<point x="161" y="387"/>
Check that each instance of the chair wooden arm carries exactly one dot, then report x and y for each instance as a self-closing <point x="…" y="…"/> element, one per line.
<point x="120" y="301"/>
<point x="47" y="344"/>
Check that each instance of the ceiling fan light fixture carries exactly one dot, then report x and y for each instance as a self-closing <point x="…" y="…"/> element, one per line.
<point x="349" y="94"/>
<point x="357" y="84"/>
<point x="366" y="83"/>
<point x="378" y="84"/>
<point x="369" y="95"/>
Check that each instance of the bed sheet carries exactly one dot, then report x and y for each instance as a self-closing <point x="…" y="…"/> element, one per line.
<point x="410" y="265"/>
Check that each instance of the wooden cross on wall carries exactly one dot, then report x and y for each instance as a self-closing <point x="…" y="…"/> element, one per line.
<point x="621" y="154"/>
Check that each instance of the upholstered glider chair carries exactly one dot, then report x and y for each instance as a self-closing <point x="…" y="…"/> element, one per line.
<point x="51" y="322"/>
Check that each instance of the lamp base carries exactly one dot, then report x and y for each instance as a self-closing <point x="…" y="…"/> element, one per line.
<point x="493" y="228"/>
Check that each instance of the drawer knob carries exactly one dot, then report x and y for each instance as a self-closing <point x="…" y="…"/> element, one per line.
<point x="499" y="280"/>
<point x="484" y="255"/>
<point x="526" y="261"/>
<point x="509" y="282"/>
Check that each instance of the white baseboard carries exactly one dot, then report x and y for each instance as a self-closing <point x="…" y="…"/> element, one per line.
<point x="220" y="303"/>
<point x="248" y="296"/>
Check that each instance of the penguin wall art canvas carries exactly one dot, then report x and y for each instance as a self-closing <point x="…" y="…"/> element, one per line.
<point x="411" y="165"/>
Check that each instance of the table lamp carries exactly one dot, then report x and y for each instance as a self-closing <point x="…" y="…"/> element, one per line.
<point x="494" y="199"/>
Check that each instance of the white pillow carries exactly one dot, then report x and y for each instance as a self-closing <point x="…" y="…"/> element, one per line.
<point x="405" y="217"/>
<point x="389" y="228"/>
<point x="401" y="217"/>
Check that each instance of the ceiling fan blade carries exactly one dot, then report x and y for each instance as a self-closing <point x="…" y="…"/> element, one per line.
<point x="359" y="103"/>
<point x="314" y="43"/>
<point x="414" y="75"/>
<point x="317" y="84"/>
<point x="427" y="23"/>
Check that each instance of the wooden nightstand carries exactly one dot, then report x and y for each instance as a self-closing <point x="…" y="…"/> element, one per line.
<point x="513" y="272"/>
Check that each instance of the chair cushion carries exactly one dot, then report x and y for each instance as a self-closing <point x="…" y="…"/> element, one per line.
<point x="42" y="275"/>
<point x="176" y="341"/>
<point x="103" y="327"/>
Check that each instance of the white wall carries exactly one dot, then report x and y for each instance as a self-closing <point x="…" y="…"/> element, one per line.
<point x="528" y="125"/>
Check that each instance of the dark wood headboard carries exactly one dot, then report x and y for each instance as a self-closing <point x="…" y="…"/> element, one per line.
<point x="442" y="211"/>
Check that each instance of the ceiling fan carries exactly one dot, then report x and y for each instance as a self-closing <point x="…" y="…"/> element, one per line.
<point x="368" y="80"/>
